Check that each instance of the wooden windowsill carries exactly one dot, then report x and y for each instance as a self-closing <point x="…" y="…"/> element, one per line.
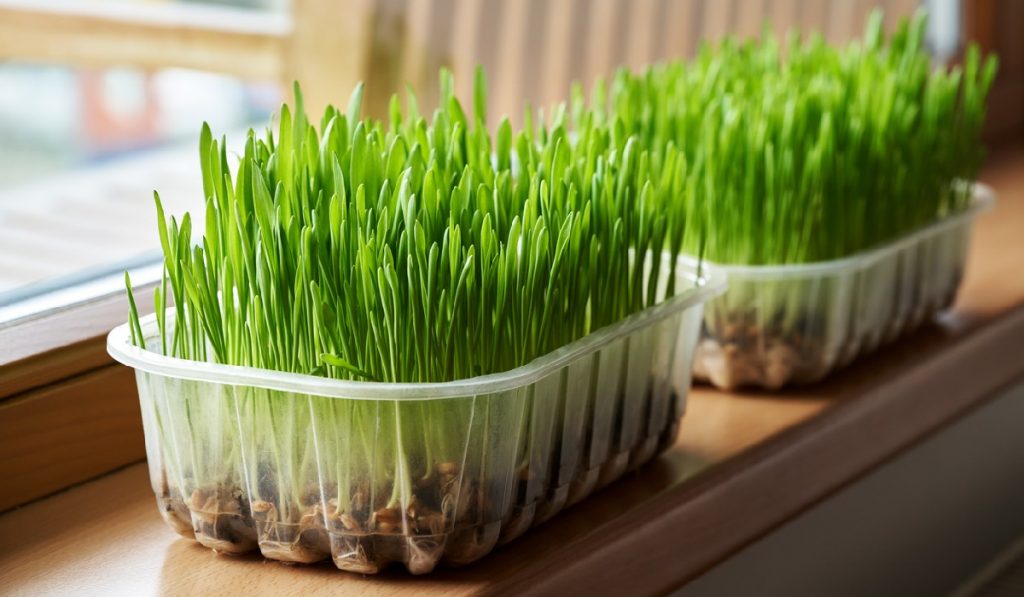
<point x="744" y="464"/>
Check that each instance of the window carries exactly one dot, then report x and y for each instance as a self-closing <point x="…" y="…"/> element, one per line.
<point x="87" y="141"/>
<point x="79" y="166"/>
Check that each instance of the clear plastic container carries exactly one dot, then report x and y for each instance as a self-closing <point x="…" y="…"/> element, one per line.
<point x="306" y="468"/>
<point x="795" y="324"/>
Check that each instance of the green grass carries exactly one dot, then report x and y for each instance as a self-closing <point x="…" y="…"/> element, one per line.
<point x="414" y="250"/>
<point x="797" y="151"/>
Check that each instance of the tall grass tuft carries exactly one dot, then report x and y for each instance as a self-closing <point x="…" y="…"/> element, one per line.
<point x="798" y="151"/>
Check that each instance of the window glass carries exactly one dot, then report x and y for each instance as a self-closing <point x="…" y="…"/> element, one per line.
<point x="82" y="151"/>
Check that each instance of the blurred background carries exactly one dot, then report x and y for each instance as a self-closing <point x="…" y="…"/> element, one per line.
<point x="101" y="100"/>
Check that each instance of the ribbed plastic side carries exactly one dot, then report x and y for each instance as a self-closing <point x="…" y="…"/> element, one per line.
<point x="782" y="325"/>
<point x="368" y="483"/>
<point x="306" y="468"/>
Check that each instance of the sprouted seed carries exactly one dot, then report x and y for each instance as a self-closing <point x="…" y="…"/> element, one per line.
<point x="800" y="151"/>
<point x="410" y="251"/>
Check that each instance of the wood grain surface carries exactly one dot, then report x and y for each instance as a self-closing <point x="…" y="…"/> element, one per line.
<point x="67" y="433"/>
<point x="238" y="42"/>
<point x="744" y="464"/>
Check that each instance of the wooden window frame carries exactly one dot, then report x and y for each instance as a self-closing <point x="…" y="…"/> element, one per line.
<point x="197" y="37"/>
<point x="68" y="412"/>
<point x="995" y="25"/>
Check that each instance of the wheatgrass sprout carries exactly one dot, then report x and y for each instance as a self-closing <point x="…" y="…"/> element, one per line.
<point x="804" y="152"/>
<point x="800" y="152"/>
<point x="411" y="250"/>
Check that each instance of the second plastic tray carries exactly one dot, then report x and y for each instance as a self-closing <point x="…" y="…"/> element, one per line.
<point x="307" y="468"/>
<point x="794" y="324"/>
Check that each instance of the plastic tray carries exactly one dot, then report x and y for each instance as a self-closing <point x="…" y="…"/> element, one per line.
<point x="306" y="468"/>
<point x="795" y="324"/>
